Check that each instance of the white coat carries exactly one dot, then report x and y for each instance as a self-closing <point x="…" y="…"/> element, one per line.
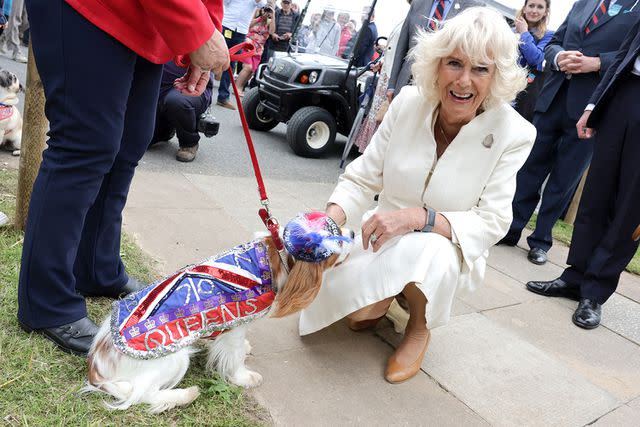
<point x="472" y="185"/>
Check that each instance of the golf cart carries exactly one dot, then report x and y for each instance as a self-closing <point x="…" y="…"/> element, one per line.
<point x="316" y="93"/>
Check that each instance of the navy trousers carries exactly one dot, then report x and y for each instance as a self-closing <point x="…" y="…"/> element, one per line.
<point x="609" y="211"/>
<point x="100" y="101"/>
<point x="179" y="113"/>
<point x="225" y="80"/>
<point x="559" y="154"/>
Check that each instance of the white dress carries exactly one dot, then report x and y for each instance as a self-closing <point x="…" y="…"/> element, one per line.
<point x="472" y="185"/>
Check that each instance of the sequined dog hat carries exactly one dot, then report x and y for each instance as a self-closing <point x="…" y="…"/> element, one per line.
<point x="313" y="237"/>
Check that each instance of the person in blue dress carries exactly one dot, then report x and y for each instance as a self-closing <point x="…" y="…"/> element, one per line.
<point x="531" y="23"/>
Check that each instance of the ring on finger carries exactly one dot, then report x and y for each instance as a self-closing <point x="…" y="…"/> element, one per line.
<point x="373" y="238"/>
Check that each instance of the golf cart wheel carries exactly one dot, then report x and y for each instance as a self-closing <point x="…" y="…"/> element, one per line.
<point x="257" y="117"/>
<point x="311" y="131"/>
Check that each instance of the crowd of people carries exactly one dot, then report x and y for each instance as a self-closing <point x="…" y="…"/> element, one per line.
<point x="455" y="167"/>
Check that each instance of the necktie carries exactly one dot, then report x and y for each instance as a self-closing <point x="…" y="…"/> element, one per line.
<point x="597" y="15"/>
<point x="438" y="15"/>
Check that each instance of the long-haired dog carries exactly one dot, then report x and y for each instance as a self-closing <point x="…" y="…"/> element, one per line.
<point x="143" y="348"/>
<point x="10" y="117"/>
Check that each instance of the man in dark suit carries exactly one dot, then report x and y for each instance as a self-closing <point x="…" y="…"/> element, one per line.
<point x="425" y="15"/>
<point x="580" y="53"/>
<point x="601" y="245"/>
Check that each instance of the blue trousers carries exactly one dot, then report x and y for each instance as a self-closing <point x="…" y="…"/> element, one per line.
<point x="559" y="154"/>
<point x="609" y="211"/>
<point x="225" y="80"/>
<point x="100" y="101"/>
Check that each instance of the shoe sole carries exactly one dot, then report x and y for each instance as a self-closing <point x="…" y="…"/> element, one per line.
<point x="535" y="291"/>
<point x="582" y="325"/>
<point x="28" y="329"/>
<point x="536" y="262"/>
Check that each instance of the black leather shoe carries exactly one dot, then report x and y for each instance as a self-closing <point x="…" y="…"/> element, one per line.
<point x="74" y="338"/>
<point x="588" y="313"/>
<point x="132" y="285"/>
<point x="537" y="256"/>
<point x="555" y="288"/>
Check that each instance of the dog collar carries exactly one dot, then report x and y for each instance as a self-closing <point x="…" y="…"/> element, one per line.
<point x="6" y="111"/>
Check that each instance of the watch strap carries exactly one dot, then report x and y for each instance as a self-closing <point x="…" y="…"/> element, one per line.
<point x="431" y="220"/>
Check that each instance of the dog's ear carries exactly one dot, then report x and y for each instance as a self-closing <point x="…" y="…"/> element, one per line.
<point x="20" y="88"/>
<point x="302" y="286"/>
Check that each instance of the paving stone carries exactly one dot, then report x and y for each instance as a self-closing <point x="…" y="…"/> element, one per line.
<point x="341" y="383"/>
<point x="629" y="286"/>
<point x="177" y="237"/>
<point x="460" y="308"/>
<point x="635" y="403"/>
<point x="283" y="333"/>
<point x="623" y="316"/>
<point x="513" y="262"/>
<point x="498" y="290"/>
<point x="624" y="416"/>
<point x="599" y="355"/>
<point x="161" y="191"/>
<point x="507" y="380"/>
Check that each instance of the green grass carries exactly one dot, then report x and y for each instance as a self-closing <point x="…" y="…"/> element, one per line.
<point x="39" y="384"/>
<point x="563" y="231"/>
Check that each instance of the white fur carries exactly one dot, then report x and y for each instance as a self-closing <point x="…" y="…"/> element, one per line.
<point x="11" y="127"/>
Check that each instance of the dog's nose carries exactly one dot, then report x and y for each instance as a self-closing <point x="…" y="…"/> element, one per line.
<point x="352" y="234"/>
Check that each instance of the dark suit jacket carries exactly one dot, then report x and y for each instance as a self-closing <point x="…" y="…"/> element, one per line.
<point x="417" y="17"/>
<point x="621" y="66"/>
<point x="604" y="41"/>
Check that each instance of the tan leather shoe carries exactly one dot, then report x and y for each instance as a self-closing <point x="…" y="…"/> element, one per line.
<point x="226" y="104"/>
<point x="361" y="325"/>
<point x="397" y="372"/>
<point x="187" y="154"/>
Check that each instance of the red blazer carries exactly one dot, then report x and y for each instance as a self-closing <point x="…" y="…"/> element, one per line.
<point x="157" y="30"/>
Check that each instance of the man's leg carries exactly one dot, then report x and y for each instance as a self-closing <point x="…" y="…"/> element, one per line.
<point x="571" y="160"/>
<point x="183" y="112"/>
<point x="87" y="78"/>
<point x="163" y="130"/>
<point x="225" y="81"/>
<point x="534" y="171"/>
<point x="98" y="267"/>
<point x="11" y="35"/>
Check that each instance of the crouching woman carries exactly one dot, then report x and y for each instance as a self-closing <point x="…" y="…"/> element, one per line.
<point x="444" y="163"/>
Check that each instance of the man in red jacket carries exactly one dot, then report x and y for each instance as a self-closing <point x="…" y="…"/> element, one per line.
<point x="100" y="64"/>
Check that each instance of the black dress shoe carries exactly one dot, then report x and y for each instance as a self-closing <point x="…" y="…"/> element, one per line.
<point x="555" y="288"/>
<point x="588" y="313"/>
<point x="132" y="286"/>
<point x="74" y="338"/>
<point x="537" y="256"/>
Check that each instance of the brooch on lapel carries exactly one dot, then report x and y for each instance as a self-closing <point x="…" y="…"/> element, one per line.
<point x="456" y="6"/>
<point x="487" y="142"/>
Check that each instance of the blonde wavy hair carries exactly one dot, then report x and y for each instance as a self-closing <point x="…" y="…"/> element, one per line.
<point x="484" y="36"/>
<point x="541" y="28"/>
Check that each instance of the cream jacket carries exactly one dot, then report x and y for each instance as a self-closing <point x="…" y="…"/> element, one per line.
<point x="472" y="184"/>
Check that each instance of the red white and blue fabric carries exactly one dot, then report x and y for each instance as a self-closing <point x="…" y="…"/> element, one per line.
<point x="199" y="301"/>
<point x="6" y="111"/>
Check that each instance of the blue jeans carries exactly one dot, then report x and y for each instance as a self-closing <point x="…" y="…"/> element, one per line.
<point x="225" y="81"/>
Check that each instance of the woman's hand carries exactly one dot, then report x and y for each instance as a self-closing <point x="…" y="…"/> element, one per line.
<point x="194" y="82"/>
<point x="521" y="25"/>
<point x="336" y="213"/>
<point x="382" y="227"/>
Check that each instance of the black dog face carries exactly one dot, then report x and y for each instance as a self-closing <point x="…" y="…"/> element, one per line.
<point x="9" y="82"/>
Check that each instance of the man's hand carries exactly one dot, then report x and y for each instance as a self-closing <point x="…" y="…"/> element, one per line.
<point x="577" y="63"/>
<point x="213" y="56"/>
<point x="377" y="66"/>
<point x="194" y="82"/>
<point x="521" y="25"/>
<point x="584" y="132"/>
<point x="390" y="94"/>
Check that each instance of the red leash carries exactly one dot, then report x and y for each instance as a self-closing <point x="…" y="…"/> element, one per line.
<point x="269" y="220"/>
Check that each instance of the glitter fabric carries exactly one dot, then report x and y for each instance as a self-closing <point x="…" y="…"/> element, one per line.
<point x="199" y="301"/>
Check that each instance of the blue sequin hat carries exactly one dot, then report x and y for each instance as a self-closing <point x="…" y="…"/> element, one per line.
<point x="313" y="237"/>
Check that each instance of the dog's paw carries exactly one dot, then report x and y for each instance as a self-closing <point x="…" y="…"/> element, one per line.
<point x="191" y="394"/>
<point x="246" y="378"/>
<point x="15" y="153"/>
<point x="247" y="347"/>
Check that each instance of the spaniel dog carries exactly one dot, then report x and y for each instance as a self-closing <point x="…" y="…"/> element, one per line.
<point x="143" y="348"/>
<point x="10" y="118"/>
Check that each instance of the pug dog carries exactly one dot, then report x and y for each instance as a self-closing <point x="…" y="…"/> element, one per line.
<point x="10" y="117"/>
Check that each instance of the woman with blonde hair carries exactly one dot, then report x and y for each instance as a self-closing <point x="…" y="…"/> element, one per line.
<point x="443" y="162"/>
<point x="531" y="23"/>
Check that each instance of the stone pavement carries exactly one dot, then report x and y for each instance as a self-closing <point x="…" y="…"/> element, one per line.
<point x="508" y="357"/>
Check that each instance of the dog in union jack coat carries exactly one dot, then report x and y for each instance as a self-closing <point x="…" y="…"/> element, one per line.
<point x="143" y="348"/>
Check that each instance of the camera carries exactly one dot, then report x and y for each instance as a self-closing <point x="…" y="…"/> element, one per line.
<point x="208" y="125"/>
